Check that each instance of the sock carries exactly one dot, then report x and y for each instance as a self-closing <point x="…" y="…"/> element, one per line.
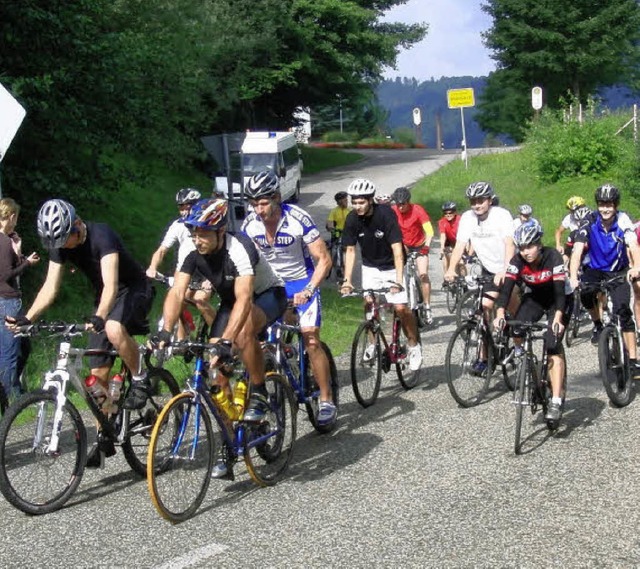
<point x="138" y="377"/>
<point x="557" y="400"/>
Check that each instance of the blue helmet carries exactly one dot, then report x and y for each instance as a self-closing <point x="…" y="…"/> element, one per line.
<point x="207" y="214"/>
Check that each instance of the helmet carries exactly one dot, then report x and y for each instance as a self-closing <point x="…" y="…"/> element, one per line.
<point x="525" y="209"/>
<point x="383" y="198"/>
<point x="402" y="195"/>
<point x="581" y="213"/>
<point x="361" y="188"/>
<point x="479" y="190"/>
<point x="340" y="196"/>
<point x="449" y="206"/>
<point x="187" y="196"/>
<point x="55" y="223"/>
<point x="527" y="233"/>
<point x="209" y="213"/>
<point x="262" y="185"/>
<point x="495" y="200"/>
<point x="574" y="202"/>
<point x="608" y="193"/>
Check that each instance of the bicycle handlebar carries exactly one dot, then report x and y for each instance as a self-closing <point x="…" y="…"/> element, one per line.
<point x="58" y="328"/>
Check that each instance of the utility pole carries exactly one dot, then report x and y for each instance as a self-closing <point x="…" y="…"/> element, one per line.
<point x="439" y="144"/>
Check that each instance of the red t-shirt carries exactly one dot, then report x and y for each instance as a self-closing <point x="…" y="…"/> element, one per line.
<point x="411" y="224"/>
<point x="450" y="229"/>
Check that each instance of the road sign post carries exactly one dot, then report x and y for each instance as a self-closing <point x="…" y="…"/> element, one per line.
<point x="417" y="121"/>
<point x="536" y="99"/>
<point x="459" y="99"/>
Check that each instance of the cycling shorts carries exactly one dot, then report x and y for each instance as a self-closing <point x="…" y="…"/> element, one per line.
<point x="373" y="278"/>
<point x="310" y="313"/>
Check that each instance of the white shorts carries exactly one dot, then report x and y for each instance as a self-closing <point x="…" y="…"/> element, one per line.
<point x="373" y="278"/>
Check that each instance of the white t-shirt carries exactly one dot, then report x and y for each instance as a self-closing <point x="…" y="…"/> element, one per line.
<point x="178" y="234"/>
<point x="487" y="237"/>
<point x="569" y="222"/>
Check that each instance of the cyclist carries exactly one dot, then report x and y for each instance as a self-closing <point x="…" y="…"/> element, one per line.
<point x="609" y="234"/>
<point x="123" y="294"/>
<point x="338" y="215"/>
<point x="178" y="234"/>
<point x="375" y="227"/>
<point x="540" y="272"/>
<point x="291" y="243"/>
<point x="417" y="233"/>
<point x="383" y="198"/>
<point x="489" y="229"/>
<point x="569" y="221"/>
<point x="251" y="295"/>
<point x="525" y="211"/>
<point x="448" y="229"/>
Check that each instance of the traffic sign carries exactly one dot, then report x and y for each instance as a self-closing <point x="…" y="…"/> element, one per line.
<point x="11" y="115"/>
<point x="459" y="98"/>
<point x="536" y="98"/>
<point x="417" y="117"/>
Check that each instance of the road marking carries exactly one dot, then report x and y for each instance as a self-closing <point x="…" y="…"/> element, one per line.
<point x="194" y="557"/>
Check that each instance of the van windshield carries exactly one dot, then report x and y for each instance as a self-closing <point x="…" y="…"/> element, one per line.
<point x="254" y="163"/>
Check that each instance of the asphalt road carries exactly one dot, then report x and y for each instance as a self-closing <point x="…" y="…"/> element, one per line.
<point x="413" y="481"/>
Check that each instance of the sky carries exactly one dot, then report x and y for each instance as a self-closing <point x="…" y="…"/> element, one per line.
<point x="452" y="47"/>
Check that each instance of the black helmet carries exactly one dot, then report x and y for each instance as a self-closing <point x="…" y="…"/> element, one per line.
<point x="340" y="196"/>
<point x="449" y="206"/>
<point x="262" y="185"/>
<point x="55" y="223"/>
<point x="479" y="190"/>
<point x="402" y="195"/>
<point x="187" y="196"/>
<point x="608" y="193"/>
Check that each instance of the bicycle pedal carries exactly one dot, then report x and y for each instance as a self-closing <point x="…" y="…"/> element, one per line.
<point x="95" y="459"/>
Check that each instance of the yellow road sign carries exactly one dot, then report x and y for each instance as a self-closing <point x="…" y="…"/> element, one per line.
<point x="457" y="98"/>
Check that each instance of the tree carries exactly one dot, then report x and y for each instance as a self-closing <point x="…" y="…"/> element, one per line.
<point x="566" y="47"/>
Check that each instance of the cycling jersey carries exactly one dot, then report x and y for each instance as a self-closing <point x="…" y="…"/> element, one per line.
<point x="449" y="228"/>
<point x="375" y="234"/>
<point x="238" y="258"/>
<point x="411" y="224"/>
<point x="178" y="234"/>
<point x="289" y="255"/>
<point x="569" y="222"/>
<point x="488" y="236"/>
<point x="607" y="247"/>
<point x="339" y="215"/>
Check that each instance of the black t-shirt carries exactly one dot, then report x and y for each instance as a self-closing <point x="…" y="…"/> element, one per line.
<point x="375" y="234"/>
<point x="102" y="241"/>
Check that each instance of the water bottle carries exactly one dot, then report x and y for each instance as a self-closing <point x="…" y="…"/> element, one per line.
<point x="114" y="391"/>
<point x="96" y="390"/>
<point x="240" y="396"/>
<point x="224" y="403"/>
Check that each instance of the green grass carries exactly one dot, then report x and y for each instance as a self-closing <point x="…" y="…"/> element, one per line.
<point x="318" y="159"/>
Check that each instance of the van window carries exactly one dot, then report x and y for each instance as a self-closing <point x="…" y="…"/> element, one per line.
<point x="255" y="163"/>
<point x="291" y="156"/>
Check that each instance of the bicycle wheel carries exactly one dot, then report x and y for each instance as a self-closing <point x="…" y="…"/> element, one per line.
<point x="407" y="377"/>
<point x="269" y="444"/>
<point x="466" y="306"/>
<point x="135" y="446"/>
<point x="614" y="367"/>
<point x="467" y="382"/>
<point x="575" y="319"/>
<point x="366" y="363"/>
<point x="416" y="302"/>
<point x="339" y="263"/>
<point x="521" y="398"/>
<point x="508" y="364"/>
<point x="4" y="402"/>
<point x="452" y="297"/>
<point x="33" y="478"/>
<point x="313" y="391"/>
<point x="181" y="454"/>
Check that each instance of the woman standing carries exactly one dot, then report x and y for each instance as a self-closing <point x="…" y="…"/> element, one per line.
<point x="12" y="264"/>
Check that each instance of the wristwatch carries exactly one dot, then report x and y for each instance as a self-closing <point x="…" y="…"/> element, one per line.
<point x="310" y="289"/>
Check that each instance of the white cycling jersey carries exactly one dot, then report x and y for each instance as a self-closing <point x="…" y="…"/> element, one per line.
<point x="180" y="235"/>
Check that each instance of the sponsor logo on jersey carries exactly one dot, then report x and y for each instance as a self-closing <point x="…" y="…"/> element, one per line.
<point x="379" y="234"/>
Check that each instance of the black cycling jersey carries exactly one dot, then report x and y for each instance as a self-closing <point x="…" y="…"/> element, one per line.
<point x="375" y="234"/>
<point x="101" y="241"/>
<point x="544" y="282"/>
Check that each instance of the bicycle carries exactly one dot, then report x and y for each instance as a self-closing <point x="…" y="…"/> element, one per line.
<point x="471" y="344"/>
<point x="578" y="315"/>
<point x="455" y="291"/>
<point x="532" y="379"/>
<point x="286" y="344"/>
<point x="337" y="254"/>
<point x="371" y="353"/>
<point x="415" y="298"/>
<point x="185" y="440"/>
<point x="43" y="440"/>
<point x="613" y="357"/>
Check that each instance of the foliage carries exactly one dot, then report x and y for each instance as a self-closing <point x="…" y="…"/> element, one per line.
<point x="405" y="135"/>
<point x="318" y="159"/>
<point x="337" y="136"/>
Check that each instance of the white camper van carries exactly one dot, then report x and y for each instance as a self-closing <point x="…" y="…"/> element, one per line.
<point x="277" y="151"/>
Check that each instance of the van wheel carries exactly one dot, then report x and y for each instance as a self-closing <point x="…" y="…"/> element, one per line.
<point x="295" y="197"/>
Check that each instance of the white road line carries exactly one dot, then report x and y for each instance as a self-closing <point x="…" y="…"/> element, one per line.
<point x="194" y="557"/>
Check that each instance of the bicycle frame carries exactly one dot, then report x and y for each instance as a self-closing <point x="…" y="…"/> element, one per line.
<point x="372" y="313"/>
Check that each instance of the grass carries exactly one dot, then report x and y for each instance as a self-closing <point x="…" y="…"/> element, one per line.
<point x="318" y="159"/>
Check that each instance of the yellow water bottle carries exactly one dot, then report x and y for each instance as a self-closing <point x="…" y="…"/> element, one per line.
<point x="240" y="396"/>
<point x="223" y="402"/>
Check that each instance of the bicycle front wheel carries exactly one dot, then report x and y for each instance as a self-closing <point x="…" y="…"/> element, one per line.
<point x="269" y="444"/>
<point x="466" y="307"/>
<point x="452" y="297"/>
<point x="313" y="391"/>
<point x="521" y="399"/>
<point x="366" y="363"/>
<point x="468" y="371"/>
<point x="407" y="377"/>
<point x="614" y="367"/>
<point x="135" y="447"/>
<point x="34" y="477"/>
<point x="180" y="460"/>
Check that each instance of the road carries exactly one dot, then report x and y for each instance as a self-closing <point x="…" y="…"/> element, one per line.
<point x="413" y="481"/>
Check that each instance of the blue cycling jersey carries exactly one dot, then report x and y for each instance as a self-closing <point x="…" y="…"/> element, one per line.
<point x="607" y="246"/>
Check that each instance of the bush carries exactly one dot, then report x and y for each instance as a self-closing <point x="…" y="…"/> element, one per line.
<point x="337" y="136"/>
<point x="405" y="135"/>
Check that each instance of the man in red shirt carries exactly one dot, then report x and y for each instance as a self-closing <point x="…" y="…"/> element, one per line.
<point x="417" y="233"/>
<point x="448" y="229"/>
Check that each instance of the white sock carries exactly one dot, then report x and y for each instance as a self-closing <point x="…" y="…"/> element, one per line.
<point x="557" y="400"/>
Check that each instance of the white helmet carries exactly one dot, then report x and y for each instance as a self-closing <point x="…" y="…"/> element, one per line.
<point x="361" y="188"/>
<point x="55" y="222"/>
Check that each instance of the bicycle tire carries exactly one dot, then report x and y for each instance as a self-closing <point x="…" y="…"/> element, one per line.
<point x="4" y="401"/>
<point x="339" y="263"/>
<point x="464" y="348"/>
<point x="30" y="479"/>
<point x="268" y="445"/>
<point x="135" y="447"/>
<point x="521" y="399"/>
<point x="366" y="376"/>
<point x="419" y="307"/>
<point x="614" y="367"/>
<point x="407" y="378"/>
<point x="509" y="370"/>
<point x="452" y="297"/>
<point x="467" y="306"/>
<point x="573" y="327"/>
<point x="181" y="455"/>
<point x="313" y="391"/>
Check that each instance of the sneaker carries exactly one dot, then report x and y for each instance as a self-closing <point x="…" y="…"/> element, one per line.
<point x="479" y="368"/>
<point x="429" y="316"/>
<point x="327" y="413"/>
<point x="138" y="394"/>
<point x="634" y="369"/>
<point x="595" y="334"/>
<point x="415" y="357"/>
<point x="95" y="458"/>
<point x="257" y="408"/>
<point x="369" y="353"/>
<point x="220" y="469"/>
<point x="554" y="412"/>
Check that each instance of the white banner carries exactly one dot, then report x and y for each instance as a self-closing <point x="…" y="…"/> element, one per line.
<point x="11" y="115"/>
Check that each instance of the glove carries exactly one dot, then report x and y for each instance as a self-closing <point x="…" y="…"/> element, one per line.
<point x="225" y="351"/>
<point x="97" y="322"/>
<point x="162" y="337"/>
<point x="19" y="320"/>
